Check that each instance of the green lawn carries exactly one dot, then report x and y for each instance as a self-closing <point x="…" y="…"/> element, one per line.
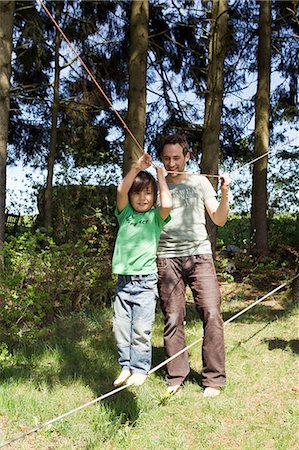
<point x="76" y="362"/>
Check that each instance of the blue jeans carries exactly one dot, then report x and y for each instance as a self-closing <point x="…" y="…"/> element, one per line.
<point x="134" y="315"/>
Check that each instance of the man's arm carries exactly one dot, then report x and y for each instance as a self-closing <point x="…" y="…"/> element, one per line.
<point x="219" y="211"/>
<point x="165" y="195"/>
<point x="122" y="198"/>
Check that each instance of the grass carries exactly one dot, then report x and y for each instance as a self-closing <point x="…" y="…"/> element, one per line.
<point x="76" y="362"/>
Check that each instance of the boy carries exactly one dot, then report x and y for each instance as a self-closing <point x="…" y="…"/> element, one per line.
<point x="134" y="260"/>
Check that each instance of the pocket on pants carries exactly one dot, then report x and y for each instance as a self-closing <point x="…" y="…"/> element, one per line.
<point x="121" y="282"/>
<point x="162" y="263"/>
<point x="151" y="282"/>
<point x="203" y="258"/>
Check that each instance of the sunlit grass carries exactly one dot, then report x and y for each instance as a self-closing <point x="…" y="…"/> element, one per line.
<point x="77" y="362"/>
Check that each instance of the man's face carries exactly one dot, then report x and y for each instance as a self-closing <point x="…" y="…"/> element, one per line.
<point x="173" y="158"/>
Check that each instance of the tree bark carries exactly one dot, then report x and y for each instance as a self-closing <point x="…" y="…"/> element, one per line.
<point x="6" y="26"/>
<point x="136" y="117"/>
<point x="214" y="99"/>
<point x="259" y="226"/>
<point x="295" y="290"/>
<point x="53" y="136"/>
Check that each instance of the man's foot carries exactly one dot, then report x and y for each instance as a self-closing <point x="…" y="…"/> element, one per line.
<point x="123" y="376"/>
<point x="137" y="379"/>
<point x="172" y="390"/>
<point x="211" y="391"/>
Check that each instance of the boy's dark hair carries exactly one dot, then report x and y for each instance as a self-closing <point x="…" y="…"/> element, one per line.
<point x="142" y="181"/>
<point x="174" y="139"/>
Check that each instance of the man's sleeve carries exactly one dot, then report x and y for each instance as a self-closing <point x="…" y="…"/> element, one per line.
<point x="207" y="189"/>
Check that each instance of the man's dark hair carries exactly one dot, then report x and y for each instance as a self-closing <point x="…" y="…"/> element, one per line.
<point x="174" y="139"/>
<point x="142" y="181"/>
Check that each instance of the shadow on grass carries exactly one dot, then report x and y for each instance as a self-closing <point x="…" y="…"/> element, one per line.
<point x="159" y="357"/>
<point x="76" y="349"/>
<point x="82" y="348"/>
<point x="262" y="312"/>
<point x="292" y="344"/>
<point x="244" y="341"/>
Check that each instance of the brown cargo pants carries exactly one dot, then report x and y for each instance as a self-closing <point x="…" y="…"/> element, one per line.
<point x="198" y="272"/>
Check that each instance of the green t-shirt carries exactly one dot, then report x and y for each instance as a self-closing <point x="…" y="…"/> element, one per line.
<point x="186" y="234"/>
<point x="137" y="241"/>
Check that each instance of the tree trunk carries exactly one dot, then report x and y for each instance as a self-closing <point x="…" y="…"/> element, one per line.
<point x="295" y="290"/>
<point x="259" y="226"/>
<point x="6" y="26"/>
<point x="53" y="136"/>
<point x="214" y="98"/>
<point x="136" y="117"/>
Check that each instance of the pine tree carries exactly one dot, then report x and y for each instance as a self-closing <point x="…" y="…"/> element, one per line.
<point x="261" y="143"/>
<point x="6" y="27"/>
<point x="136" y="116"/>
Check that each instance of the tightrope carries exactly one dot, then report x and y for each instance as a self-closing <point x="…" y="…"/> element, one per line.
<point x="154" y="369"/>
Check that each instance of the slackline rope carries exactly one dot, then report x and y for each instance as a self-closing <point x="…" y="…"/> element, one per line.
<point x="154" y="369"/>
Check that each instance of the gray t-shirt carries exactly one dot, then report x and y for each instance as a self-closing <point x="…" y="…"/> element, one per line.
<point x="186" y="233"/>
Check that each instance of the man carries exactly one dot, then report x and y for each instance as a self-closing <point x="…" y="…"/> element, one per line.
<point x="185" y="258"/>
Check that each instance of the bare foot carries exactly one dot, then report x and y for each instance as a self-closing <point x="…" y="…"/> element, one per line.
<point x="123" y="376"/>
<point x="211" y="391"/>
<point x="137" y="379"/>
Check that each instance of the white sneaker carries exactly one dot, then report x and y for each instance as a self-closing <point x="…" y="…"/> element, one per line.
<point x="211" y="391"/>
<point x="123" y="376"/>
<point x="137" y="379"/>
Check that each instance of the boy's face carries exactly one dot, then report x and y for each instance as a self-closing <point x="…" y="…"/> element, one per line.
<point x="143" y="200"/>
<point x="173" y="158"/>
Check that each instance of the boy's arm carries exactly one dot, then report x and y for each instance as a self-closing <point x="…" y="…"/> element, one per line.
<point x="122" y="198"/>
<point x="165" y="195"/>
<point x="219" y="211"/>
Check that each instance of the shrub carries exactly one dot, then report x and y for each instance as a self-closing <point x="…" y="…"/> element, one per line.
<point x="283" y="229"/>
<point x="43" y="279"/>
<point x="76" y="208"/>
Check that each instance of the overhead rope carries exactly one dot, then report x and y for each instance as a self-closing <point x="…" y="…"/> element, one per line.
<point x="91" y="76"/>
<point x="271" y="150"/>
<point x="238" y="169"/>
<point x="111" y="104"/>
<point x="219" y="176"/>
<point x="154" y="369"/>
